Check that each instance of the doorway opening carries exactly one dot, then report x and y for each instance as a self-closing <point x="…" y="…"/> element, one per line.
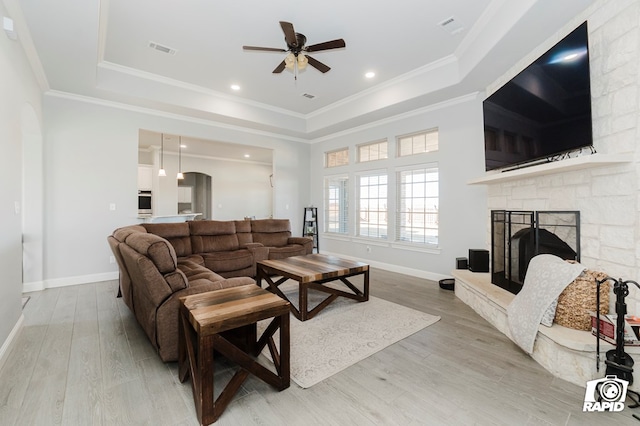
<point x="195" y="194"/>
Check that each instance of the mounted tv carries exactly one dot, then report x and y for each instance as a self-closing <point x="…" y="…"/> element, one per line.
<point x="543" y="113"/>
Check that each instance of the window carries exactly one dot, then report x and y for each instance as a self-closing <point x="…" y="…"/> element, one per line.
<point x="417" y="215"/>
<point x="336" y="207"/>
<point x="418" y="143"/>
<point x="372" y="151"/>
<point x="337" y="158"/>
<point x="372" y="211"/>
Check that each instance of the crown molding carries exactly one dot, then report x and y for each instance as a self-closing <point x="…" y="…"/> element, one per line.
<point x="169" y="115"/>
<point x="429" y="108"/>
<point x="193" y="88"/>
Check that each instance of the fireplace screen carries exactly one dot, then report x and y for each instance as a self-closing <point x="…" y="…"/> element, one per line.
<point x="517" y="236"/>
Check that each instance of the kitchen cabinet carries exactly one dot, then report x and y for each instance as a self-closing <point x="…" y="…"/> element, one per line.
<point x="145" y="177"/>
<point x="185" y="194"/>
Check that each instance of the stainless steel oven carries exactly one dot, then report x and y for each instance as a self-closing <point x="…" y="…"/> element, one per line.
<point x="144" y="202"/>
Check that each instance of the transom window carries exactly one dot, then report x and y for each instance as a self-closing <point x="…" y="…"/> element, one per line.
<point x="337" y="158"/>
<point x="336" y="207"/>
<point x="418" y="143"/>
<point x="417" y="208"/>
<point x="372" y="151"/>
<point x="372" y="209"/>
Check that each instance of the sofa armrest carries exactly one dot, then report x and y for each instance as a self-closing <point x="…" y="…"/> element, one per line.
<point x="176" y="280"/>
<point x="307" y="242"/>
<point x="251" y="245"/>
<point x="258" y="250"/>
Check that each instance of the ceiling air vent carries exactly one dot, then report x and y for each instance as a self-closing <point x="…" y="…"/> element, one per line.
<point x="451" y="25"/>
<point x="161" y="48"/>
<point x="308" y="95"/>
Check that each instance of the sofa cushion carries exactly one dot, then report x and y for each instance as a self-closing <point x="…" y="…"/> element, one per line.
<point x="155" y="248"/>
<point x="121" y="234"/>
<point x="271" y="225"/>
<point x="194" y="271"/>
<point x="225" y="261"/>
<point x="176" y="233"/>
<point x="273" y="239"/>
<point x="271" y="232"/>
<point x="210" y="236"/>
<point x="243" y="231"/>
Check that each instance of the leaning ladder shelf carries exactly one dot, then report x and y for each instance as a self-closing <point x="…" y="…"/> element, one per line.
<point x="310" y="226"/>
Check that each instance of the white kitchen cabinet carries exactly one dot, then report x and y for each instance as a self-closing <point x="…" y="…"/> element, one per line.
<point x="145" y="177"/>
<point x="185" y="194"/>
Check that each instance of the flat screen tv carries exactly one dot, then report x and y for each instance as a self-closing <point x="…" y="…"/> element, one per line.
<point x="544" y="111"/>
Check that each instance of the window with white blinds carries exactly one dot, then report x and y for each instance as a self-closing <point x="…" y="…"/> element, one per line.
<point x="337" y="158"/>
<point x="418" y="143"/>
<point x="373" y="151"/>
<point x="417" y="206"/>
<point x="372" y="205"/>
<point x="336" y="204"/>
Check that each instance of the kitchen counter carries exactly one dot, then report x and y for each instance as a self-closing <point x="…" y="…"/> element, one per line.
<point x="171" y="218"/>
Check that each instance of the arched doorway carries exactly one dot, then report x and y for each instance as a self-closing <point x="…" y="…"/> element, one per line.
<point x="194" y="194"/>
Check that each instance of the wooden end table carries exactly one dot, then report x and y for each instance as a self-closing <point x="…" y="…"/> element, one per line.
<point x="311" y="271"/>
<point x="203" y="320"/>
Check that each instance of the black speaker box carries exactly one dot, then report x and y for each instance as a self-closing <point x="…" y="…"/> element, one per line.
<point x="478" y="260"/>
<point x="461" y="263"/>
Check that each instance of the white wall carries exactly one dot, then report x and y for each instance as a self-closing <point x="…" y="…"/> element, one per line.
<point x="462" y="207"/>
<point x="607" y="197"/>
<point x="20" y="109"/>
<point x="91" y="162"/>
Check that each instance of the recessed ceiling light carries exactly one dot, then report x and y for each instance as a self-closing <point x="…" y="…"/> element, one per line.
<point x="370" y="74"/>
<point x="247" y="156"/>
<point x="235" y="87"/>
<point x="183" y="146"/>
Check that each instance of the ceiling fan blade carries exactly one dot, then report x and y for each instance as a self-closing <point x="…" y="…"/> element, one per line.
<point x="317" y="64"/>
<point x="333" y="44"/>
<point x="289" y="33"/>
<point x="279" y="68"/>
<point x="268" y="49"/>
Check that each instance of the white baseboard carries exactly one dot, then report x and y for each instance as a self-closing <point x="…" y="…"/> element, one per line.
<point x="67" y="281"/>
<point x="108" y="276"/>
<point x="395" y="268"/>
<point x="6" y="346"/>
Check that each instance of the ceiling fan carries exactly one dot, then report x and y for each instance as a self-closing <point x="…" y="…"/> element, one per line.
<point x="297" y="57"/>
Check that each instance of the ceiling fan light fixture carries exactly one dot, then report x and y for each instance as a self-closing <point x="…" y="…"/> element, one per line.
<point x="302" y="61"/>
<point x="290" y="61"/>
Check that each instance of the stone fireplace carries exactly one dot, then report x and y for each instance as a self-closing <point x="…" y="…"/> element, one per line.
<point x="518" y="236"/>
<point x="604" y="188"/>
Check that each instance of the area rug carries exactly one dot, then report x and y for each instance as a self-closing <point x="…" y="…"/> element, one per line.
<point x="344" y="333"/>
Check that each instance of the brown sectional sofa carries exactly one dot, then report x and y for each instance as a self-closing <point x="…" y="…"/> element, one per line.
<point x="159" y="263"/>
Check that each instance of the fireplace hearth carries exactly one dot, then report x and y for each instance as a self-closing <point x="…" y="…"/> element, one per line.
<point x="518" y="236"/>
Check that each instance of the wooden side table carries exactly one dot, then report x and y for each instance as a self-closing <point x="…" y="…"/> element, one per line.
<point x="203" y="320"/>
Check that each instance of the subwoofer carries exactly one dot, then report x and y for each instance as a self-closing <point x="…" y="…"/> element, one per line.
<point x="478" y="260"/>
<point x="462" y="263"/>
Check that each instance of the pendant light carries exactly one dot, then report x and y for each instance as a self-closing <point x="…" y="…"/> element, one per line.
<point x="162" y="171"/>
<point x="180" y="176"/>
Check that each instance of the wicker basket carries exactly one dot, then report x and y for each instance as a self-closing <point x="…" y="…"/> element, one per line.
<point x="578" y="300"/>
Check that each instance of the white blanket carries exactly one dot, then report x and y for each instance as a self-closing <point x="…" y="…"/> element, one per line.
<point x="547" y="276"/>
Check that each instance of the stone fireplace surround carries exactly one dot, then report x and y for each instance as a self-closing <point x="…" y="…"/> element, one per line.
<point x="566" y="353"/>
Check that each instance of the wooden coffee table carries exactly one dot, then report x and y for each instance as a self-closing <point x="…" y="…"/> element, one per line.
<point x="205" y="321"/>
<point x="312" y="271"/>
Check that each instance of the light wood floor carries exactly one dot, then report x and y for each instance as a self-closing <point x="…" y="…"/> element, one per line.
<point x="81" y="359"/>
